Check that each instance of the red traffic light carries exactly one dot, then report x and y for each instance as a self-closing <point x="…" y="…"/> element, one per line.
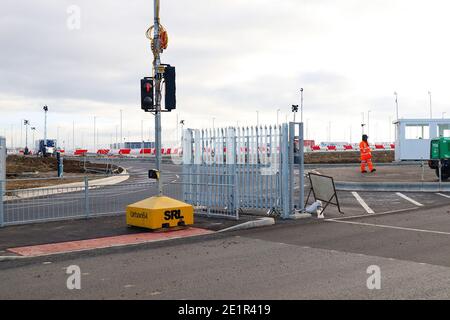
<point x="148" y="86"/>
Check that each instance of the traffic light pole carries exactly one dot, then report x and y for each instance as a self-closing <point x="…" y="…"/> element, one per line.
<point x="157" y="79"/>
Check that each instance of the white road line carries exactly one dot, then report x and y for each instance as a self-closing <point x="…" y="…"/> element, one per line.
<point x="390" y="227"/>
<point x="443" y="195"/>
<point x="409" y="199"/>
<point x="362" y="202"/>
<point x="375" y="214"/>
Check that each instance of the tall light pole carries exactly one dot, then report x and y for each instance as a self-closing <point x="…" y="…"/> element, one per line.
<point x="142" y="134"/>
<point x="362" y="124"/>
<point x="26" y="123"/>
<point x="117" y="141"/>
<point x="45" y="129"/>
<point x="396" y="103"/>
<point x="390" y="128"/>
<point x="121" y="130"/>
<point x="278" y="111"/>
<point x="57" y="137"/>
<point x="431" y="109"/>
<point x="301" y="105"/>
<point x="73" y="135"/>
<point x="95" y="135"/>
<point x="368" y="123"/>
<point x="12" y="136"/>
<point x="257" y="118"/>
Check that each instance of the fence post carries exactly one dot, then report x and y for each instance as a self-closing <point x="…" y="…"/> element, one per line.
<point x="187" y="166"/>
<point x="86" y="196"/>
<point x="2" y="219"/>
<point x="285" y="194"/>
<point x="292" y="155"/>
<point x="231" y="164"/>
<point x="301" y="154"/>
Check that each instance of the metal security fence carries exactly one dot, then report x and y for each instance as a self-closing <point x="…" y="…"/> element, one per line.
<point x="257" y="163"/>
<point x="105" y="196"/>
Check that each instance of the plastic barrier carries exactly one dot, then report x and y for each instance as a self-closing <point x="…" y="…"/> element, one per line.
<point x="80" y="152"/>
<point x="124" y="151"/>
<point x="103" y="151"/>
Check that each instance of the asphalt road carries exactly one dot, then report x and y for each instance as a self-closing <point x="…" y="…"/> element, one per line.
<point x="406" y="235"/>
<point x="296" y="260"/>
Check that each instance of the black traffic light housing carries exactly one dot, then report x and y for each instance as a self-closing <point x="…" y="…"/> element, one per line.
<point x="147" y="94"/>
<point x="170" y="100"/>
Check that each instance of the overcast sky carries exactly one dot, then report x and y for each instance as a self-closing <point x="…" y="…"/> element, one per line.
<point x="233" y="57"/>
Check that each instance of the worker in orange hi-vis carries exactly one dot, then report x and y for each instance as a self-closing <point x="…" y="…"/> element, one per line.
<point x="366" y="155"/>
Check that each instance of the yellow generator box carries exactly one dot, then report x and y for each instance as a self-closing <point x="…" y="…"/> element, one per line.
<point x="159" y="212"/>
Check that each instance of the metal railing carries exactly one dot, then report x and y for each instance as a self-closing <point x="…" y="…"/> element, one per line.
<point x="106" y="196"/>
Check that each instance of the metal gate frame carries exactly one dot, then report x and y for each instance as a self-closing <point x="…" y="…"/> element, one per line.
<point x="255" y="163"/>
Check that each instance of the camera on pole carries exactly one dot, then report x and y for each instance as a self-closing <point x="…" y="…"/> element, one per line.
<point x="147" y="94"/>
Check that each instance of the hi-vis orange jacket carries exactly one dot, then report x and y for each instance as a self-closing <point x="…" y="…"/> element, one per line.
<point x="364" y="148"/>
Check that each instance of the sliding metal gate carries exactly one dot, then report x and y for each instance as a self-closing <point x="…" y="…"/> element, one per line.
<point x="229" y="170"/>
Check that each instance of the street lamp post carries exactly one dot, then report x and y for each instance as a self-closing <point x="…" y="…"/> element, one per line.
<point x="26" y="123"/>
<point x="301" y="105"/>
<point x="431" y="109"/>
<point x="45" y="130"/>
<point x="33" y="129"/>
<point x="95" y="134"/>
<point x="362" y="123"/>
<point x="396" y="103"/>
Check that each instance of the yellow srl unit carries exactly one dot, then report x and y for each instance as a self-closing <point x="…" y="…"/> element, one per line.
<point x="159" y="212"/>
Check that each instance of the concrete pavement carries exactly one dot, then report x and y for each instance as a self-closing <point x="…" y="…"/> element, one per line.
<point x="296" y="260"/>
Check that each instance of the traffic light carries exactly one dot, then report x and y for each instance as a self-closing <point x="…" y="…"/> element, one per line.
<point x="170" y="96"/>
<point x="147" y="93"/>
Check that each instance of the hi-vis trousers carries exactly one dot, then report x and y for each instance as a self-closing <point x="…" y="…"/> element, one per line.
<point x="369" y="164"/>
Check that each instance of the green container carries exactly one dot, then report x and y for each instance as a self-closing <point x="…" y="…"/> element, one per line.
<point x="440" y="148"/>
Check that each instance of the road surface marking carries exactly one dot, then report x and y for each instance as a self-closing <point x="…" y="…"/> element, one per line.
<point x="390" y="227"/>
<point x="362" y="202"/>
<point x="443" y="195"/>
<point x="409" y="199"/>
<point x="375" y="214"/>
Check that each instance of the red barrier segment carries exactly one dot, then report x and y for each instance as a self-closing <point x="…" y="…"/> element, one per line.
<point x="124" y="151"/>
<point x="80" y="152"/>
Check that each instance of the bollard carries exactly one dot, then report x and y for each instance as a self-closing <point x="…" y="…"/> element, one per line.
<point x="59" y="159"/>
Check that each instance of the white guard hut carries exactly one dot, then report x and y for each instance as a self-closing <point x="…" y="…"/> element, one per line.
<point x="413" y="137"/>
